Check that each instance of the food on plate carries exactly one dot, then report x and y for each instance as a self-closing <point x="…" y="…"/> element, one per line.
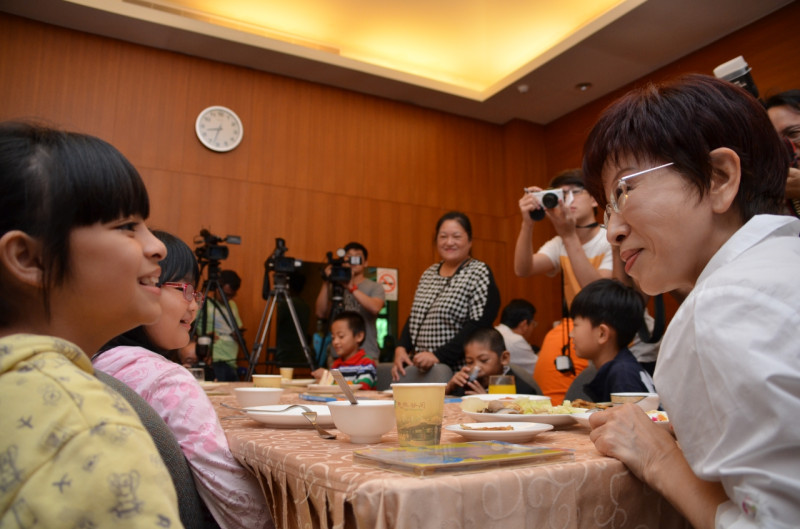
<point x="486" y="428"/>
<point x="658" y="416"/>
<point x="580" y="403"/>
<point x="517" y="406"/>
<point x="326" y="379"/>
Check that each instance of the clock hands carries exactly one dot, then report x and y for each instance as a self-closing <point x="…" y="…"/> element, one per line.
<point x="218" y="129"/>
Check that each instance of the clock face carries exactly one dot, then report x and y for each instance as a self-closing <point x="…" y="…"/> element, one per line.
<point x="219" y="128"/>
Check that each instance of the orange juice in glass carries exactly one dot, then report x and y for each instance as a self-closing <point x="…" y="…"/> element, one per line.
<point x="502" y="384"/>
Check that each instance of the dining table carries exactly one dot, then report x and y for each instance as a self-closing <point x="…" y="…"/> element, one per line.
<point x="310" y="482"/>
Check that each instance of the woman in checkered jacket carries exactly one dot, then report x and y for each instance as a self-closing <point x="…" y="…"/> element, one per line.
<point x="454" y="297"/>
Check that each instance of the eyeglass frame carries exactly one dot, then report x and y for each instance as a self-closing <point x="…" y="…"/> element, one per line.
<point x="615" y="206"/>
<point x="189" y="293"/>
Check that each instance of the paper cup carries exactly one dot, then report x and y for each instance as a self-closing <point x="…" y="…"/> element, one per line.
<point x="418" y="410"/>
<point x="267" y="381"/>
<point x="287" y="373"/>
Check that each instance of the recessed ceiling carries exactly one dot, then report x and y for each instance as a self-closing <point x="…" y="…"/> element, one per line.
<point x="469" y="48"/>
<point x="493" y="60"/>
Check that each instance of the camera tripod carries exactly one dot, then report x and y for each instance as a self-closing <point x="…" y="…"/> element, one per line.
<point x="212" y="284"/>
<point x="281" y="289"/>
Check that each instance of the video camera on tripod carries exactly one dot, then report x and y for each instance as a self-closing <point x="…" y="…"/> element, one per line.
<point x="278" y="262"/>
<point x="210" y="247"/>
<point x="340" y="273"/>
<point x="210" y="251"/>
<point x="282" y="266"/>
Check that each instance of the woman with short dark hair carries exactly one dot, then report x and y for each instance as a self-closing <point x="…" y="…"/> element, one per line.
<point x="692" y="177"/>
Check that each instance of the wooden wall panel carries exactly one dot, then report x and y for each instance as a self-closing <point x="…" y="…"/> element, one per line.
<point x="768" y="45"/>
<point x="150" y="111"/>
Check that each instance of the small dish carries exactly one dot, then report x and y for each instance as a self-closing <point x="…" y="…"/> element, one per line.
<point x="324" y="388"/>
<point x="292" y="418"/>
<point x="364" y="422"/>
<point x="297" y="382"/>
<point x="247" y="397"/>
<point x="660" y="418"/>
<point x="520" y="432"/>
<point x="646" y="401"/>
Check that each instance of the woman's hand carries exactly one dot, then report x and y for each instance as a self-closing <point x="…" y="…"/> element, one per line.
<point x="424" y="360"/>
<point x="628" y="434"/>
<point x="649" y="451"/>
<point x="401" y="359"/>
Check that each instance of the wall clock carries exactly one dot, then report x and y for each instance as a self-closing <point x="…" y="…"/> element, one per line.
<point x="219" y="128"/>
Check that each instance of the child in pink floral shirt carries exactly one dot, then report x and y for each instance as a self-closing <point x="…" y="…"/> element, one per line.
<point x="137" y="358"/>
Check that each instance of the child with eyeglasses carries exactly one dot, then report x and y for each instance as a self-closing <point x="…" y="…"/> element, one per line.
<point x="77" y="267"/>
<point x="142" y="359"/>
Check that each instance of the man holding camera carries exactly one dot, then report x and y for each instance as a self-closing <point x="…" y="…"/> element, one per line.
<point x="358" y="294"/>
<point x="579" y="250"/>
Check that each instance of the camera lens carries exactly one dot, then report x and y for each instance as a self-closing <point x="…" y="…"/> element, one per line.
<point x="550" y="200"/>
<point x="536" y="214"/>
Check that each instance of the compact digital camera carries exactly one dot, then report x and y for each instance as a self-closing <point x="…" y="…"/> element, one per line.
<point x="548" y="198"/>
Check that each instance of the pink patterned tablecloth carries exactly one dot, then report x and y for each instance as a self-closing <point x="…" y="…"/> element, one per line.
<point x="313" y="483"/>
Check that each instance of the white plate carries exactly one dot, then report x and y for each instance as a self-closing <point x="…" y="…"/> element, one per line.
<point x="320" y="388"/>
<point x="521" y="433"/>
<point x="505" y="396"/>
<point x="583" y="418"/>
<point x="663" y="424"/>
<point x="300" y="382"/>
<point x="544" y="418"/>
<point x="292" y="418"/>
<point x="389" y="392"/>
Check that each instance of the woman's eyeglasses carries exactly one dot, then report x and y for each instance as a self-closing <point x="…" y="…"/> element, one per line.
<point x="189" y="292"/>
<point x="620" y="194"/>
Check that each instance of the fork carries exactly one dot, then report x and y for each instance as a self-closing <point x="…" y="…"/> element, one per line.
<point x="311" y="416"/>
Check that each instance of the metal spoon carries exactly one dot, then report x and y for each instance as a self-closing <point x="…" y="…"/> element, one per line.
<point x="344" y="385"/>
<point x="311" y="416"/>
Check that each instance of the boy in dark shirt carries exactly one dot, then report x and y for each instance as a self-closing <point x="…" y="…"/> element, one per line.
<point x="606" y="316"/>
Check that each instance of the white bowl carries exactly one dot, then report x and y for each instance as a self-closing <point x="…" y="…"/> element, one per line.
<point x="247" y="397"/>
<point x="364" y="422"/>
<point x="646" y="401"/>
